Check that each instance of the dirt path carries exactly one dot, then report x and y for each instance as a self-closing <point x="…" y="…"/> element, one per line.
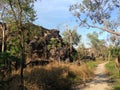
<point x="101" y="80"/>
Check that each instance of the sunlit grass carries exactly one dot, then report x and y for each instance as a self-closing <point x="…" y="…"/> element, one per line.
<point x="117" y="85"/>
<point x="91" y="65"/>
<point x="59" y="76"/>
<point x="114" y="75"/>
<point x="53" y="76"/>
<point x="112" y="71"/>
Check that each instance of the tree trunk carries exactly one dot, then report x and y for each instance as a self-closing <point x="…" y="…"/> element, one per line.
<point x="22" y="56"/>
<point x="3" y="40"/>
<point x="70" y="46"/>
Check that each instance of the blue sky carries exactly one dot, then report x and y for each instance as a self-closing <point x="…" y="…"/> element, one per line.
<point x="54" y="14"/>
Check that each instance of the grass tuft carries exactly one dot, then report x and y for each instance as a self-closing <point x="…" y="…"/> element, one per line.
<point x="114" y="75"/>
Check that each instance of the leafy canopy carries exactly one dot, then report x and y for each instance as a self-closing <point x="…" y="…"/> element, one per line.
<point x="95" y="42"/>
<point x="15" y="10"/>
<point x="101" y="14"/>
<point x="71" y="37"/>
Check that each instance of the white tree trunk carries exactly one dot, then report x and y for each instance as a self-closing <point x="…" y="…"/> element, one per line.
<point x="3" y="40"/>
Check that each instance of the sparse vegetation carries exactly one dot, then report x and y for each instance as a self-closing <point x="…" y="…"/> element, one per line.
<point x="114" y="75"/>
<point x="54" y="76"/>
<point x="59" y="76"/>
<point x="24" y="45"/>
<point x="91" y="65"/>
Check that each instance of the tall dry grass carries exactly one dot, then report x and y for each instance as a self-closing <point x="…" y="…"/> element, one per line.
<point x="54" y="76"/>
<point x="57" y="76"/>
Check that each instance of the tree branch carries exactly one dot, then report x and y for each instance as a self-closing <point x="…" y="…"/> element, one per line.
<point x="104" y="29"/>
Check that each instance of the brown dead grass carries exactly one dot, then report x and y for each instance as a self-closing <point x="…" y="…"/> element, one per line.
<point x="58" y="76"/>
<point x="54" y="76"/>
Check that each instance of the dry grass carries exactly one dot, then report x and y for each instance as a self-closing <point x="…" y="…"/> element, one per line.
<point x="54" y="76"/>
<point x="58" y="76"/>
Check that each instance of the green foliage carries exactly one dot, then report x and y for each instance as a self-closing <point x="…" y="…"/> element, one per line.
<point x="117" y="85"/>
<point x="95" y="42"/>
<point x="81" y="51"/>
<point x="6" y="58"/>
<point x="54" y="42"/>
<point x="98" y="45"/>
<point x="115" y="51"/>
<point x="74" y="56"/>
<point x="71" y="36"/>
<point x="91" y="65"/>
<point x="13" y="9"/>
<point x="19" y="12"/>
<point x="112" y="70"/>
<point x="114" y="75"/>
<point x="13" y="46"/>
<point x="98" y="14"/>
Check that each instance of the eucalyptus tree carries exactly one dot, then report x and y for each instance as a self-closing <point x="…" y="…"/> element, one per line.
<point x="18" y="12"/>
<point x="114" y="40"/>
<point x="71" y="37"/>
<point x="100" y="14"/>
<point x="81" y="51"/>
<point x="114" y="45"/>
<point x="95" y="43"/>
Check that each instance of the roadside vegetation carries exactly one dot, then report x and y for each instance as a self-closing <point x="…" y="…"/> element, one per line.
<point x="54" y="76"/>
<point x="91" y="65"/>
<point x="23" y="46"/>
<point x="114" y="75"/>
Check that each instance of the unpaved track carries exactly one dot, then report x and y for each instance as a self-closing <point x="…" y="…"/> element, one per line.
<point x="101" y="80"/>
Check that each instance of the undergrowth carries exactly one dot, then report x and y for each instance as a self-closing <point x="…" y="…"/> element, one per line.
<point x="114" y="75"/>
<point x="91" y="65"/>
<point x="53" y="76"/>
<point x="59" y="76"/>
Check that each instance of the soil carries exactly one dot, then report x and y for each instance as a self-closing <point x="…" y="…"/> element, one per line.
<point x="101" y="80"/>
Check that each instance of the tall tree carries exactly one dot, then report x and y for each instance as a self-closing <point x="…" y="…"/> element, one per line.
<point x="81" y="51"/>
<point x="19" y="12"/>
<point x="101" y="14"/>
<point x="114" y="45"/>
<point x="95" y="43"/>
<point x="114" y="40"/>
<point x="71" y="37"/>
